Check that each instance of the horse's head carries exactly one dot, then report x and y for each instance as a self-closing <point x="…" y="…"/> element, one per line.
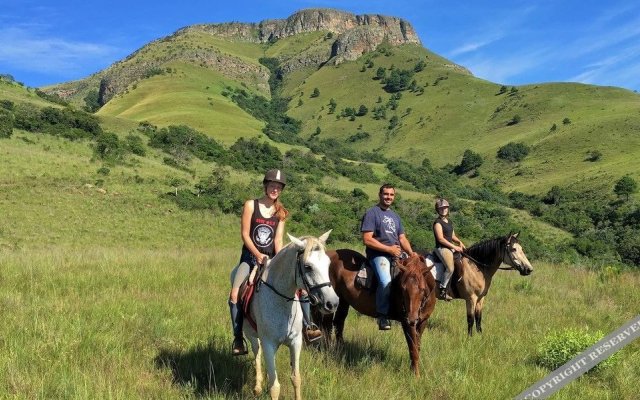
<point x="312" y="267"/>
<point x="515" y="257"/>
<point x="416" y="287"/>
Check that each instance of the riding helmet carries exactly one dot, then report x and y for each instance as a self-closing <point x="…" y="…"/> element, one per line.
<point x="275" y="175"/>
<point x="441" y="203"/>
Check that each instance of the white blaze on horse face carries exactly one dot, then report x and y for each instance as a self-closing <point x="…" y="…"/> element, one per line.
<point x="518" y="258"/>
<point x="318" y="261"/>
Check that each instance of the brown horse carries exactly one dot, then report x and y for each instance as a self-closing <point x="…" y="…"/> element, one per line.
<point x="413" y="297"/>
<point x="480" y="263"/>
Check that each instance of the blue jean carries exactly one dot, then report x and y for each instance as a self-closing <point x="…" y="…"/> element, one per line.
<point x="382" y="266"/>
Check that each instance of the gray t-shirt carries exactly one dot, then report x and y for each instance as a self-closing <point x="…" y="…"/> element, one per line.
<point x="386" y="227"/>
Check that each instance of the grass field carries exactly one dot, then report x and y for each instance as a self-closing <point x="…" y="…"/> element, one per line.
<point x="108" y="290"/>
<point x="123" y="295"/>
<point x="123" y="322"/>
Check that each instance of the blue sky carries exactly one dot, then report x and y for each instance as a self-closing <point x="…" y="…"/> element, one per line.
<point x="510" y="42"/>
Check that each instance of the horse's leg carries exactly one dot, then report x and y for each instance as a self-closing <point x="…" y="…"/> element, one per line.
<point x="257" y="353"/>
<point x="294" y="356"/>
<point x="269" y="352"/>
<point x="338" y="320"/>
<point x="471" y="307"/>
<point x="478" y="314"/>
<point x="413" y="342"/>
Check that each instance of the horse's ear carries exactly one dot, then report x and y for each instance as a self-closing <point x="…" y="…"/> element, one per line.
<point x="325" y="236"/>
<point x="515" y="235"/>
<point x="299" y="243"/>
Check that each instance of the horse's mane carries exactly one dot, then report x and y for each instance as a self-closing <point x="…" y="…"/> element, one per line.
<point x="312" y="243"/>
<point x="487" y="249"/>
<point x="412" y="268"/>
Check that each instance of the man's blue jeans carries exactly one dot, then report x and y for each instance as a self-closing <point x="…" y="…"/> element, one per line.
<point x="382" y="266"/>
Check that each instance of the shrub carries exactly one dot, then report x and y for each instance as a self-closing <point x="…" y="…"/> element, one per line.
<point x="594" y="155"/>
<point x="558" y="348"/>
<point x="470" y="161"/>
<point x="134" y="145"/>
<point x="109" y="147"/>
<point x="513" y="151"/>
<point x="6" y="123"/>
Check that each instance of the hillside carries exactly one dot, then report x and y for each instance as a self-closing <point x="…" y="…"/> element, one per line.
<point x="364" y="88"/>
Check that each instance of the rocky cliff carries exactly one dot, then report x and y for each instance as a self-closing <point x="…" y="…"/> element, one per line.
<point x="354" y="34"/>
<point x="348" y="37"/>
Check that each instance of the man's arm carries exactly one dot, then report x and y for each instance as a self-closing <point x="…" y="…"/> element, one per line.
<point x="373" y="243"/>
<point x="404" y="242"/>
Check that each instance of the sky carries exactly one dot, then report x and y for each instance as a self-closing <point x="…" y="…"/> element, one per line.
<point x="511" y="42"/>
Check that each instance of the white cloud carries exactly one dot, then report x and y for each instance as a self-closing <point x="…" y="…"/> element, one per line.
<point x="32" y="50"/>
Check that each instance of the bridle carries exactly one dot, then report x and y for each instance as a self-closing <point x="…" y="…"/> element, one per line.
<point x="509" y="249"/>
<point x="300" y="270"/>
<point x="423" y="303"/>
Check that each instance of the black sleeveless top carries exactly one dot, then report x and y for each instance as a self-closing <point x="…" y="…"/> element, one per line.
<point x="263" y="235"/>
<point x="447" y="231"/>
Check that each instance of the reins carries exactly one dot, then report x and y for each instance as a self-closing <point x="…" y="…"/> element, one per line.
<point x="298" y="271"/>
<point x="467" y="255"/>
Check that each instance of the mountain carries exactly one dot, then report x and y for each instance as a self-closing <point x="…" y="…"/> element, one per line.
<point x="185" y="78"/>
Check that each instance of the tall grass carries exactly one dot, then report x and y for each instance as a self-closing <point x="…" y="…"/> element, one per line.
<point x="99" y="322"/>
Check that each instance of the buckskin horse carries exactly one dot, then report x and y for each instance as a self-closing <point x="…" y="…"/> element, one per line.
<point x="413" y="297"/>
<point x="302" y="264"/>
<point x="479" y="263"/>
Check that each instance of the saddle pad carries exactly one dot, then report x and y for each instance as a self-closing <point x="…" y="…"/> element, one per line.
<point x="438" y="268"/>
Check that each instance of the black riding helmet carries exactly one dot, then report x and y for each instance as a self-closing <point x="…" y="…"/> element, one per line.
<point x="275" y="175"/>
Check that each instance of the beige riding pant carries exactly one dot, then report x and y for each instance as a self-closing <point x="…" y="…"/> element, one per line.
<point x="446" y="256"/>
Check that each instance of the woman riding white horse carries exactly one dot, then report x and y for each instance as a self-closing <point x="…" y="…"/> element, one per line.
<point x="302" y="264"/>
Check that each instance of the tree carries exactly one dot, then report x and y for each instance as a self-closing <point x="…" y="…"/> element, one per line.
<point x="92" y="101"/>
<point x="316" y="92"/>
<point x="503" y="89"/>
<point x="363" y="110"/>
<point x="470" y="161"/>
<point x="398" y="80"/>
<point x="626" y="186"/>
<point x="381" y="72"/>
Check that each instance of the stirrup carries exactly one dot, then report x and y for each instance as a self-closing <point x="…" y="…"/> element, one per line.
<point x="311" y="333"/>
<point x="444" y="295"/>
<point x="239" y="346"/>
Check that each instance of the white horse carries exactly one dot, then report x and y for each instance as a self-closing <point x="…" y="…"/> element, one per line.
<point x="302" y="264"/>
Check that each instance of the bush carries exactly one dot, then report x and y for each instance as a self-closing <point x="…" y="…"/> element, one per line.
<point x="470" y="161"/>
<point x="109" y="147"/>
<point x="6" y="123"/>
<point x="134" y="145"/>
<point x="513" y="151"/>
<point x="560" y="347"/>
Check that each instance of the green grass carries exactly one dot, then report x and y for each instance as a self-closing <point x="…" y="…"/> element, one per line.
<point x="123" y="295"/>
<point x="191" y="97"/>
<point x="456" y="112"/>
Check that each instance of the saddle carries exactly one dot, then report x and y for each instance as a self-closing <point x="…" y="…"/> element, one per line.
<point x="247" y="289"/>
<point x="366" y="276"/>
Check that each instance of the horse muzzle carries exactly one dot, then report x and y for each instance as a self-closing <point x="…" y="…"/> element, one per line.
<point x="325" y="299"/>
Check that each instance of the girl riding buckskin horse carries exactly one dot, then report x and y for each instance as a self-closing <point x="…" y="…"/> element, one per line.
<point x="262" y="228"/>
<point x="447" y="245"/>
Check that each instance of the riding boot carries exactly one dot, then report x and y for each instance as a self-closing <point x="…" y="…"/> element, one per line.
<point x="239" y="346"/>
<point x="444" y="286"/>
<point x="310" y="330"/>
